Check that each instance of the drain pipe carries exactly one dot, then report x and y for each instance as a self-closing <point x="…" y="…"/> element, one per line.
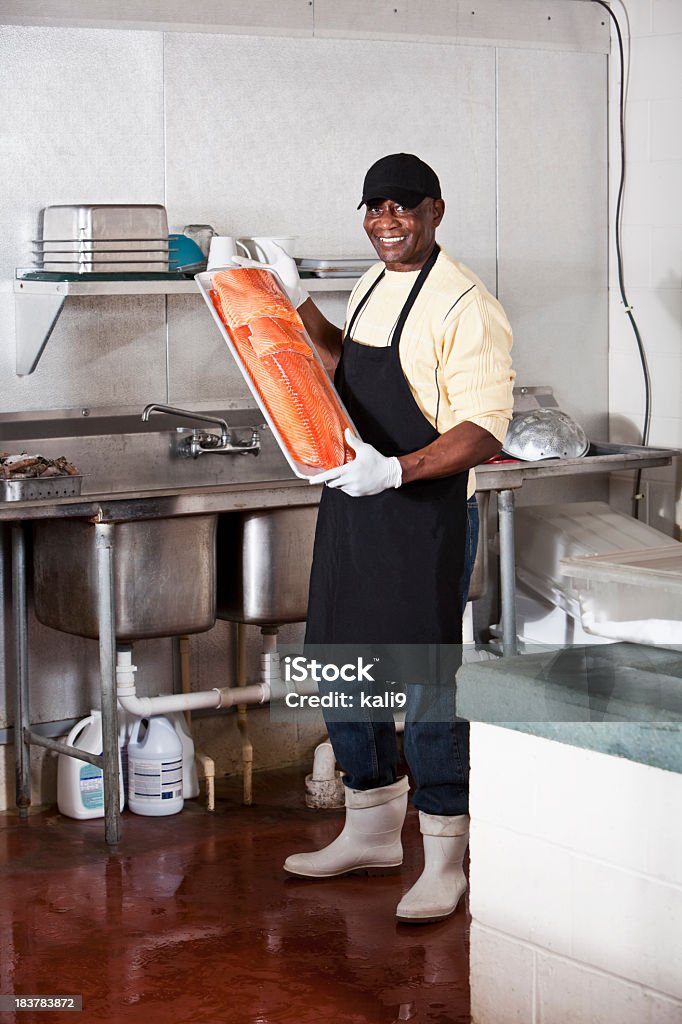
<point x="242" y="719"/>
<point x="324" y="786"/>
<point x="203" y="760"/>
<point x="143" y="707"/>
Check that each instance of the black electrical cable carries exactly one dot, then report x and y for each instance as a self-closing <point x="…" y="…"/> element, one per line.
<point x="636" y="497"/>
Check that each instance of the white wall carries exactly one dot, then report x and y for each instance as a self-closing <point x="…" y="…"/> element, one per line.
<point x="652" y="243"/>
<point x="272" y="134"/>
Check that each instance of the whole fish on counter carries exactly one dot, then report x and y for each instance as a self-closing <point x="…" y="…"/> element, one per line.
<point x="268" y="335"/>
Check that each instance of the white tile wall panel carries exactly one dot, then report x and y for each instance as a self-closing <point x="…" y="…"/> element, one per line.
<point x="653" y="196"/>
<point x="626" y="426"/>
<point x="621" y="337"/>
<point x="626" y="384"/>
<point x="103" y="351"/>
<point x="666" y="371"/>
<point x="564" y="320"/>
<point x="656" y="68"/>
<point x="501" y="972"/>
<point x="638" y="130"/>
<point x="200" y="365"/>
<point x="552" y="222"/>
<point x="84" y="125"/>
<point x="658" y="314"/>
<point x="82" y="122"/>
<point x="653" y="203"/>
<point x="637" y="272"/>
<point x="666" y="138"/>
<point x="274" y="136"/>
<point x="640" y="16"/>
<point x="666" y="430"/>
<point x="666" y="16"/>
<point x="666" y="267"/>
<point x="93" y="351"/>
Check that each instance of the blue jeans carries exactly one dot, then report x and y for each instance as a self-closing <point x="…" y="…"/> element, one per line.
<point x="437" y="752"/>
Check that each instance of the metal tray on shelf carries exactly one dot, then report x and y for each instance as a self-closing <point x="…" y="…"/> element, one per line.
<point x="37" y="488"/>
<point x="330" y="263"/>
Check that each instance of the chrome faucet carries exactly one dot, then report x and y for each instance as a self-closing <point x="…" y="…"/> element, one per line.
<point x="203" y="442"/>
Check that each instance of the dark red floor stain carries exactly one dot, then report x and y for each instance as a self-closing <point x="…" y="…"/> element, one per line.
<point x="193" y="920"/>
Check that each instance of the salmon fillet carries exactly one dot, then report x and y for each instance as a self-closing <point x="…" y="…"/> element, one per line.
<point x="267" y="333"/>
<point x="250" y="293"/>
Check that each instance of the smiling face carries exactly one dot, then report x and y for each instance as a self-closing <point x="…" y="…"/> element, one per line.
<point x="403" y="238"/>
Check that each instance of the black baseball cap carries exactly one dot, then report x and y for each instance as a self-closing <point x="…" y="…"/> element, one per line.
<point x="402" y="177"/>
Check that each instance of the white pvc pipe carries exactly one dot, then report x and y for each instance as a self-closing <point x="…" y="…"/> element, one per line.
<point x="324" y="763"/>
<point x="207" y="766"/>
<point x="143" y="707"/>
<point x="257" y="693"/>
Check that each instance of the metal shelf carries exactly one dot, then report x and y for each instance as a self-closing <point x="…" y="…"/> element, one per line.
<point x="39" y="298"/>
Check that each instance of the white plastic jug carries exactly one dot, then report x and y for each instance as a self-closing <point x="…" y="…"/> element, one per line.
<point x="155" y="767"/>
<point x="80" y="785"/>
<point x="190" y="779"/>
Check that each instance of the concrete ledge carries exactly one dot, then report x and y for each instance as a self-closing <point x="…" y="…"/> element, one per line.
<point x="618" y="699"/>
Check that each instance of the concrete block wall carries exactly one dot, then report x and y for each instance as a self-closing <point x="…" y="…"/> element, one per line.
<point x="576" y="885"/>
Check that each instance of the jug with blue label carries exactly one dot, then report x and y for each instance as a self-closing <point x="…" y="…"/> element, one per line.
<point x="155" y="767"/>
<point x="80" y="785"/>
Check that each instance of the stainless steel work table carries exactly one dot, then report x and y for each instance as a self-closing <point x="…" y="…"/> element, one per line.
<point x="105" y="510"/>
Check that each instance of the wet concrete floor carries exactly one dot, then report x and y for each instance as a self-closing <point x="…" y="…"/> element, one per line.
<point x="192" y="919"/>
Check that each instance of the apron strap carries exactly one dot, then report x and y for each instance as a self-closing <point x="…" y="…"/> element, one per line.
<point x="362" y="304"/>
<point x="412" y="297"/>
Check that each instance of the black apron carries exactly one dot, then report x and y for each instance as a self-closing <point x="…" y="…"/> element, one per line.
<point x="387" y="568"/>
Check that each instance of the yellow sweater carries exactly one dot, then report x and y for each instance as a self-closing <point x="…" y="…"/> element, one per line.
<point x="455" y="346"/>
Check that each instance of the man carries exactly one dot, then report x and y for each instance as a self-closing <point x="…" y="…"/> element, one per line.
<point x="423" y="367"/>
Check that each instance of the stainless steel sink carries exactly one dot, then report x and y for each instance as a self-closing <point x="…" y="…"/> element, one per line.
<point x="264" y="560"/>
<point x="164" y="573"/>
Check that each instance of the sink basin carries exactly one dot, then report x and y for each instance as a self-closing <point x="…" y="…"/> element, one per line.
<point x="264" y="560"/>
<point x="164" y="572"/>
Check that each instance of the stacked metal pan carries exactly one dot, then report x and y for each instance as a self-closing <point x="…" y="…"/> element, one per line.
<point x="353" y="266"/>
<point x="99" y="239"/>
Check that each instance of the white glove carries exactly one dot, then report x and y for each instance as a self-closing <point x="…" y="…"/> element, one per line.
<point x="284" y="266"/>
<point x="370" y="472"/>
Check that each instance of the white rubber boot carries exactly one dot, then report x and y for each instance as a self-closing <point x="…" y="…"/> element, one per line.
<point x="370" y="841"/>
<point x="442" y="883"/>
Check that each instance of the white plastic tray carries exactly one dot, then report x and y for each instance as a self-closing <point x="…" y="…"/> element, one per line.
<point x="203" y="280"/>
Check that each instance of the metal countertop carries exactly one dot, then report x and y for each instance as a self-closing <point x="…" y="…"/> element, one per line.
<point x="192" y="500"/>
